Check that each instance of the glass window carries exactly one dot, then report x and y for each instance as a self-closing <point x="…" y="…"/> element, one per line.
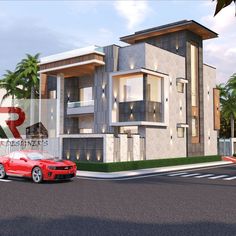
<point x="180" y="132"/>
<point x="194" y="127"/>
<point x="39" y="156"/>
<point x="131" y="88"/>
<point x="86" y="94"/>
<point x="52" y="94"/>
<point x="18" y="155"/>
<point x="180" y="87"/>
<point x="154" y="88"/>
<point x="194" y="74"/>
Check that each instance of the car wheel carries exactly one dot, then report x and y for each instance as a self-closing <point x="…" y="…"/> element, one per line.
<point x="37" y="175"/>
<point x="2" y="172"/>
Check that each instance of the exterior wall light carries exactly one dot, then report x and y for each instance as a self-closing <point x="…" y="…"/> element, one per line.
<point x="68" y="155"/>
<point x="88" y="156"/>
<point x="171" y="136"/>
<point x="103" y="91"/>
<point x="98" y="157"/>
<point x="177" y="47"/>
<point x="68" y="131"/>
<point x="103" y="129"/>
<point x="77" y="155"/>
<point x="131" y="66"/>
<point x="68" y="96"/>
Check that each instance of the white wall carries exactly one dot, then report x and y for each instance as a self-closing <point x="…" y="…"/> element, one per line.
<point x="158" y="140"/>
<point x="209" y="82"/>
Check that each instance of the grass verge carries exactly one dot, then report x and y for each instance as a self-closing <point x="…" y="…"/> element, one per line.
<point x="134" y="165"/>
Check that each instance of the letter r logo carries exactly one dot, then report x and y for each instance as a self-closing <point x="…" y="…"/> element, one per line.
<point x="12" y="124"/>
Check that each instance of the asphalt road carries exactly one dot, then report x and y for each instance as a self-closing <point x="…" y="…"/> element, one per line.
<point x="172" y="204"/>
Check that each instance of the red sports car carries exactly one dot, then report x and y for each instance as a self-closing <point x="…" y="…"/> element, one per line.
<point x="36" y="165"/>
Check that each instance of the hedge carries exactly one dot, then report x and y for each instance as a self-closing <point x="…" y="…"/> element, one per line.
<point x="134" y="165"/>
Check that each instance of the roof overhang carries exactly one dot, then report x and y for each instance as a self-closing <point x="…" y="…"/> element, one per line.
<point x="72" y="63"/>
<point x="189" y="25"/>
<point x="137" y="71"/>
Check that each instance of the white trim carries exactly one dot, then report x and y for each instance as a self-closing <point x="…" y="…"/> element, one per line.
<point x="165" y="99"/>
<point x="141" y="70"/>
<point x="82" y="135"/>
<point x="181" y="125"/>
<point x="70" y="54"/>
<point x="182" y="80"/>
<point x="136" y="123"/>
<point x="72" y="65"/>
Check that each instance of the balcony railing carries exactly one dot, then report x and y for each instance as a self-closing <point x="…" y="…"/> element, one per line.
<point x="80" y="104"/>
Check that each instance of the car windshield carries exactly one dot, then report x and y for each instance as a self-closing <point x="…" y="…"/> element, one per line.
<point x="39" y="156"/>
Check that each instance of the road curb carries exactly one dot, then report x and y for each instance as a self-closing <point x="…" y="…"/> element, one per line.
<point x="146" y="172"/>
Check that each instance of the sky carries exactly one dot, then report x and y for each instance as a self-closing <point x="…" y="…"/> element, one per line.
<point x="50" y="27"/>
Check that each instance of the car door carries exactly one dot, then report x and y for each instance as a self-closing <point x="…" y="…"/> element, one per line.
<point x="17" y="166"/>
<point x="10" y="164"/>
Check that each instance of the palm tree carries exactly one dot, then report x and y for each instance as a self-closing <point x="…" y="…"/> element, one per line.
<point x="28" y="72"/>
<point x="11" y="82"/>
<point x="231" y="84"/>
<point x="222" y="4"/>
<point x="228" y="105"/>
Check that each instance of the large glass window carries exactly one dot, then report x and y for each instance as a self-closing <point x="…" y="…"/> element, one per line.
<point x="194" y="74"/>
<point x="194" y="127"/>
<point x="131" y="88"/>
<point x="86" y="96"/>
<point x="154" y="88"/>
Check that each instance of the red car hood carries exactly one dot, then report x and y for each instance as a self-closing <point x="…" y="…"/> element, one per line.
<point x="57" y="162"/>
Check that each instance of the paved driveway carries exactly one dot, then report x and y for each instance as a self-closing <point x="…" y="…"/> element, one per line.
<point x="180" y="203"/>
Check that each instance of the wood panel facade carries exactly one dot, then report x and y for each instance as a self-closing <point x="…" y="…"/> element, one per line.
<point x="74" y="60"/>
<point x="216" y="104"/>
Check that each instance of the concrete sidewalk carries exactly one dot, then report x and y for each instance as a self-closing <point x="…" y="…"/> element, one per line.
<point x="143" y="172"/>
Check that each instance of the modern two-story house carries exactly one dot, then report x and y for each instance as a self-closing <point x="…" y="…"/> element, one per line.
<point x="151" y="99"/>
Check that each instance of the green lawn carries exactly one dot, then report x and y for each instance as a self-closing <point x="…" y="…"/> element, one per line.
<point x="134" y="165"/>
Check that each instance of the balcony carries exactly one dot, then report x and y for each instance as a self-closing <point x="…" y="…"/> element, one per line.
<point x="141" y="111"/>
<point x="80" y="107"/>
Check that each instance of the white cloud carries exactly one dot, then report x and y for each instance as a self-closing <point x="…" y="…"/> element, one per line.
<point x="133" y="11"/>
<point x="221" y="52"/>
<point x="223" y="20"/>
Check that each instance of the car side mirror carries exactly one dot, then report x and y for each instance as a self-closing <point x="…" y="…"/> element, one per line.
<point x="23" y="159"/>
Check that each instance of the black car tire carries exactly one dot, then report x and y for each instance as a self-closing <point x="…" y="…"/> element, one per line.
<point x="3" y="174"/>
<point x="37" y="175"/>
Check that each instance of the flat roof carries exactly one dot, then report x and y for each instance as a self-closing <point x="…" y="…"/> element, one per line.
<point x="71" y="54"/>
<point x="189" y="25"/>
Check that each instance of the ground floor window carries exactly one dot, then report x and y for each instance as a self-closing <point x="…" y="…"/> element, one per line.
<point x="180" y="132"/>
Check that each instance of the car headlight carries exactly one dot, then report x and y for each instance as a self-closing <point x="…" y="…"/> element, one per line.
<point x="52" y="167"/>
